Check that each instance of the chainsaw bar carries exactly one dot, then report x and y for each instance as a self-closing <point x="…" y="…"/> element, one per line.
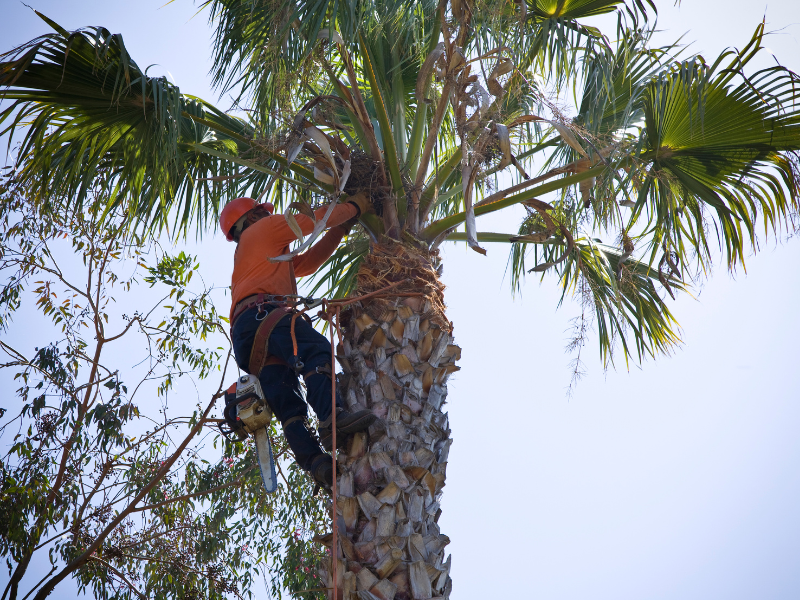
<point x="266" y="460"/>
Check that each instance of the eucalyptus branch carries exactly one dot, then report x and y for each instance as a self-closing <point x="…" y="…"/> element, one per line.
<point x="118" y="574"/>
<point x="100" y="538"/>
<point x="100" y="478"/>
<point x="21" y="360"/>
<point x="41" y="581"/>
<point x="152" y="536"/>
<point x="124" y="330"/>
<point x="164" y="562"/>
<point x="196" y="494"/>
<point x="51" y="539"/>
<point x="58" y="274"/>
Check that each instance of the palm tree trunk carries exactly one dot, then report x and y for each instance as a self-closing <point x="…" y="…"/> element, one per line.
<point x="396" y="356"/>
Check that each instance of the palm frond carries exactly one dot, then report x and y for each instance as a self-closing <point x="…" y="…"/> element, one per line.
<point x="615" y="80"/>
<point x="717" y="154"/>
<point x="555" y="38"/>
<point x="667" y="156"/>
<point x="337" y="276"/>
<point x="267" y="51"/>
<point x="91" y="115"/>
<point x="622" y="296"/>
<point x="616" y="290"/>
<point x="613" y="289"/>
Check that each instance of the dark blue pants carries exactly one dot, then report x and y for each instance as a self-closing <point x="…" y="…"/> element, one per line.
<point x="281" y="384"/>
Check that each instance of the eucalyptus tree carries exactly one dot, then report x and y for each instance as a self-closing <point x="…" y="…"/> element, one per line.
<point x="439" y="112"/>
<point x="103" y="478"/>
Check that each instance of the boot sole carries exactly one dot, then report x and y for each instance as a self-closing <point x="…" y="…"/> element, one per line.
<point x="342" y="433"/>
<point x="358" y="425"/>
<point x="341" y="442"/>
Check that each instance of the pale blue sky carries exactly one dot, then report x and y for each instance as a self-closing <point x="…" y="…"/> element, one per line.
<point x="679" y="479"/>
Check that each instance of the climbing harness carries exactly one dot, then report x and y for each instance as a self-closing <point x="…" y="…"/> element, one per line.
<point x="261" y="300"/>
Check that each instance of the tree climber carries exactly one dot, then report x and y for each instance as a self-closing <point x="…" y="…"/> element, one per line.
<point x="261" y="324"/>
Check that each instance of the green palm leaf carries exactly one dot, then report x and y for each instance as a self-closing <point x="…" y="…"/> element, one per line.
<point x="94" y="118"/>
<point x="712" y="154"/>
<point x="614" y="290"/>
<point x="713" y="143"/>
<point x="615" y="81"/>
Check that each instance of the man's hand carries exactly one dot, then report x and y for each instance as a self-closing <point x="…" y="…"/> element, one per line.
<point x="362" y="202"/>
<point x="348" y="225"/>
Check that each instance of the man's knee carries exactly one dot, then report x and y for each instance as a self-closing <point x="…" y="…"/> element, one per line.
<point x="282" y="392"/>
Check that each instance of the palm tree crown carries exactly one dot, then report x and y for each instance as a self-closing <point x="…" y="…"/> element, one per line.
<point x="437" y="110"/>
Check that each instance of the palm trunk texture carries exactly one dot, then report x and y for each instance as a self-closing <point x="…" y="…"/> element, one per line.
<point x="396" y="356"/>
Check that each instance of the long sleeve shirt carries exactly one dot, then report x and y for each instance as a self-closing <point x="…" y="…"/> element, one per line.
<point x="269" y="237"/>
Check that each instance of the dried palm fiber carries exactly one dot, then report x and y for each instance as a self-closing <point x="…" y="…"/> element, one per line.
<point x="363" y="173"/>
<point x="396" y="354"/>
<point x="364" y="178"/>
<point x="263" y="149"/>
<point x="389" y="263"/>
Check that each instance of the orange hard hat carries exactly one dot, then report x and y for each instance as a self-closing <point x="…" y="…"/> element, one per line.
<point x="235" y="210"/>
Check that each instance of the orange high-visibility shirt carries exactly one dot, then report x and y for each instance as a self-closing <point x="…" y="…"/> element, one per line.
<point x="270" y="237"/>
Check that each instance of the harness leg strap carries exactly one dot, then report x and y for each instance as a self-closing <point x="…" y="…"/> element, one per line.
<point x="259" y="354"/>
<point x="291" y="420"/>
<point x="320" y="370"/>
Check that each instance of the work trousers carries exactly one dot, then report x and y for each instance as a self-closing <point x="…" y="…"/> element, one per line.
<point x="281" y="384"/>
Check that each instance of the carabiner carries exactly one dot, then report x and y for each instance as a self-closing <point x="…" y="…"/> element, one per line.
<point x="261" y="314"/>
<point x="297" y="364"/>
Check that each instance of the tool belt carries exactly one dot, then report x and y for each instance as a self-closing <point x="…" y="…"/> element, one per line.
<point x="259" y="300"/>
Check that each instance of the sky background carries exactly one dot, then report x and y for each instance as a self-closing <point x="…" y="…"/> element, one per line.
<point x="679" y="478"/>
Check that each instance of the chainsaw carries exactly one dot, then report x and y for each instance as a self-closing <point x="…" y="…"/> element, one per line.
<point x="245" y="400"/>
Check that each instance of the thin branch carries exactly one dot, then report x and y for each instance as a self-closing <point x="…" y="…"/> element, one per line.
<point x="118" y="574"/>
<point x="52" y="539"/>
<point x="41" y="581"/>
<point x="196" y="494"/>
<point x="157" y="534"/>
<point x="100" y="478"/>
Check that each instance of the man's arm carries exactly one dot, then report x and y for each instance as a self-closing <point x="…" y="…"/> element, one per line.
<point x="311" y="260"/>
<point x="280" y="235"/>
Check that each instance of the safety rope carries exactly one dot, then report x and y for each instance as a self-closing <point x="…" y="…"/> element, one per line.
<point x="334" y="520"/>
<point x="297" y="364"/>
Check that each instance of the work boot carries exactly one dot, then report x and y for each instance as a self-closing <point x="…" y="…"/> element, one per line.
<point x="322" y="470"/>
<point x="347" y="423"/>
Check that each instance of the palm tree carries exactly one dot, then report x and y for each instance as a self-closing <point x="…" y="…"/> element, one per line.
<point x="437" y="111"/>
